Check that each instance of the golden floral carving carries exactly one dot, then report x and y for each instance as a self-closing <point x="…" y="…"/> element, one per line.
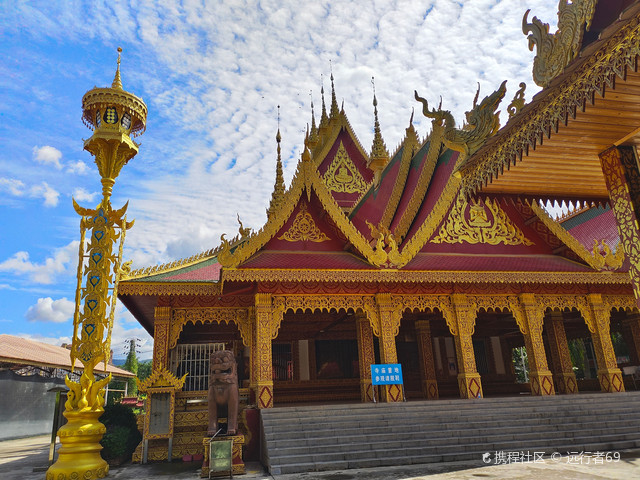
<point x="342" y="175"/>
<point x="487" y="223"/>
<point x="304" y="228"/>
<point x="617" y="163"/>
<point x="423" y="277"/>
<point x="181" y="317"/>
<point x="158" y="288"/>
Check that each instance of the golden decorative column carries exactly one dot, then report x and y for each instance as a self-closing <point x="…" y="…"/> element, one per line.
<point x="620" y="169"/>
<point x="266" y="329"/>
<point x="113" y="115"/>
<point x="560" y="356"/>
<point x="366" y="356"/>
<point x="253" y="357"/>
<point x="599" y="323"/>
<point x="540" y="378"/>
<point x="389" y="318"/>
<point x="161" y="324"/>
<point x="427" y="365"/>
<point x="462" y="327"/>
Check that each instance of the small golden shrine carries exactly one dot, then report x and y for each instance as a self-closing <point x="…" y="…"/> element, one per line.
<point x="437" y="256"/>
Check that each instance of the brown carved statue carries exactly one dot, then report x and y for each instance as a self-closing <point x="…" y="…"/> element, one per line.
<point x="223" y="390"/>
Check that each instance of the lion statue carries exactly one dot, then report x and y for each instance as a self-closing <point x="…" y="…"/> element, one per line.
<point x="223" y="390"/>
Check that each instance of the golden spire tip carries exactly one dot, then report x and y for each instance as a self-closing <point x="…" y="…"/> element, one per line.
<point x="117" y="82"/>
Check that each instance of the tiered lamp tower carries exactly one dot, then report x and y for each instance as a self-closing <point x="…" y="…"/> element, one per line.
<point x="115" y="116"/>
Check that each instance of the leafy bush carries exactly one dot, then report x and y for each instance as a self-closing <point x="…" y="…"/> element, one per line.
<point x="114" y="442"/>
<point x="122" y="435"/>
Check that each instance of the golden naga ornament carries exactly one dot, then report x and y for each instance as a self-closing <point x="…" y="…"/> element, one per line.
<point x="474" y="222"/>
<point x="342" y="175"/>
<point x="114" y="115"/>
<point x="556" y="50"/>
<point x="304" y="229"/>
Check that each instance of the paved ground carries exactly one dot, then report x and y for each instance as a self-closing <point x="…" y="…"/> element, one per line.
<point x="19" y="458"/>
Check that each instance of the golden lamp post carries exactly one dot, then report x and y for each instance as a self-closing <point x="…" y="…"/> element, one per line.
<point x="114" y="115"/>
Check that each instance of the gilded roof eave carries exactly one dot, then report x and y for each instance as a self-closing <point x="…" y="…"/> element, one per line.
<point x="598" y="65"/>
<point x="404" y="276"/>
<point x="307" y="178"/>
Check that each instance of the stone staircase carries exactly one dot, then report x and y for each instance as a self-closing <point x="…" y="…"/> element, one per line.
<point x="336" y="437"/>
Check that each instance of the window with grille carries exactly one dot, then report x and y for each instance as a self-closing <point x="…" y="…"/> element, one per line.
<point x="193" y="358"/>
<point x="282" y="361"/>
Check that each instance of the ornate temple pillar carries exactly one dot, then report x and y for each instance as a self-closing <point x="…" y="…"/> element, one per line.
<point x="560" y="356"/>
<point x="631" y="335"/>
<point x="161" y="324"/>
<point x="540" y="377"/>
<point x="252" y="357"/>
<point x="425" y="353"/>
<point x="462" y="327"/>
<point x="366" y="356"/>
<point x="389" y="319"/>
<point x="599" y="323"/>
<point x="266" y="329"/>
<point x="620" y="169"/>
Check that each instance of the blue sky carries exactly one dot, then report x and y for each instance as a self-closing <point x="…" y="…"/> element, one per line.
<point x="212" y="75"/>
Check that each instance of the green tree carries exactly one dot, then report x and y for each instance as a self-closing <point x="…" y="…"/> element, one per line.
<point x="520" y="364"/>
<point x="131" y="365"/>
<point x="144" y="370"/>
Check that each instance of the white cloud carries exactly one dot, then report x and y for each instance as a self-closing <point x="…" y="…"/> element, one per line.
<point x="48" y="194"/>
<point x="78" y="168"/>
<point x="63" y="262"/>
<point x="13" y="186"/>
<point x="49" y="310"/>
<point x="48" y="156"/>
<point x="17" y="188"/>
<point x="6" y="286"/>
<point x="82" y="195"/>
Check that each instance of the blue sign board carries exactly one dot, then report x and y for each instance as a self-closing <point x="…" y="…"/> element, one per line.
<point x="388" y="374"/>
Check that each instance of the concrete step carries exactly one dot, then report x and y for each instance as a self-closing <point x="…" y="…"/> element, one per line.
<point x="321" y="445"/>
<point x="332" y="427"/>
<point x="310" y="438"/>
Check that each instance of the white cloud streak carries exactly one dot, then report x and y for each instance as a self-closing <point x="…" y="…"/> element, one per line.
<point x="212" y="74"/>
<point x="48" y="155"/>
<point x="49" y="310"/>
<point x="17" y="188"/>
<point x="62" y="263"/>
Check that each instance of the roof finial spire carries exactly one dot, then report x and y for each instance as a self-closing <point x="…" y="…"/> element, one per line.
<point x="278" y="188"/>
<point x="324" y="120"/>
<point x="313" y="135"/>
<point x="314" y="129"/>
<point x="117" y="83"/>
<point x="334" y="103"/>
<point x="379" y="154"/>
<point x="411" y="136"/>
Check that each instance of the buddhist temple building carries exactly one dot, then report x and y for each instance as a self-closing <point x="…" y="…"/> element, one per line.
<point x="437" y="255"/>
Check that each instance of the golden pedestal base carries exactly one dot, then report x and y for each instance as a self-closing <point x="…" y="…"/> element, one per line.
<point x="470" y="385"/>
<point x="567" y="383"/>
<point x="541" y="383"/>
<point x="79" y="456"/>
<point x="610" y="380"/>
